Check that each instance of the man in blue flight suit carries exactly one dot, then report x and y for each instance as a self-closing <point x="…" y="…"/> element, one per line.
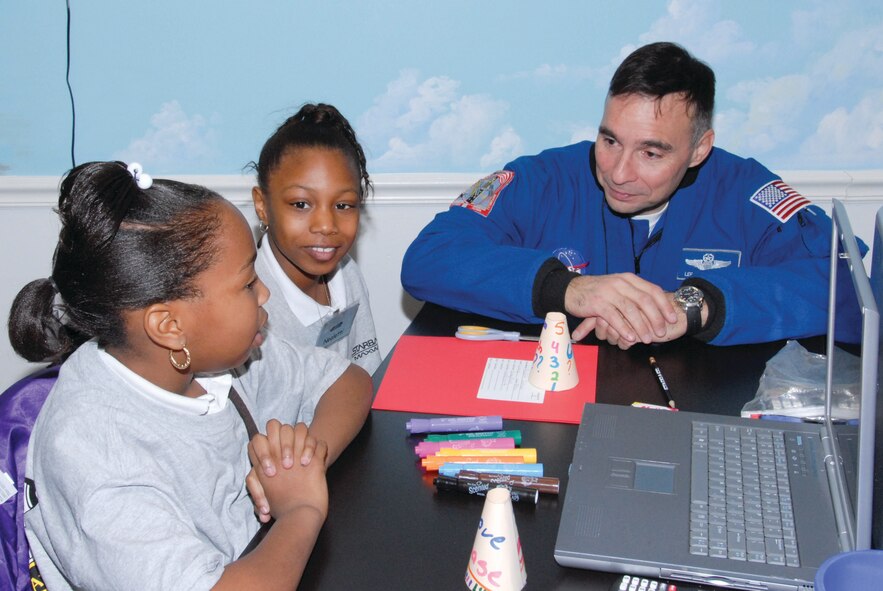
<point x="648" y="234"/>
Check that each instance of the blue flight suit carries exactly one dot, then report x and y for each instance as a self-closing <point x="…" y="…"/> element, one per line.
<point x="767" y="275"/>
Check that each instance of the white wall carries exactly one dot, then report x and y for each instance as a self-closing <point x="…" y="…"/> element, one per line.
<point x="401" y="206"/>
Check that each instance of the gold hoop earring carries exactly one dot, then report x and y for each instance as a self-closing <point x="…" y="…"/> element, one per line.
<point x="175" y="364"/>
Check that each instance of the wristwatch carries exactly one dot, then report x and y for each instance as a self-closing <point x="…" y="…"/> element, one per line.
<point x="690" y="299"/>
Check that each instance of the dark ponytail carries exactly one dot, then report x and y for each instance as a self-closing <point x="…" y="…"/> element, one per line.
<point x="120" y="248"/>
<point x="313" y="126"/>
<point x="36" y="324"/>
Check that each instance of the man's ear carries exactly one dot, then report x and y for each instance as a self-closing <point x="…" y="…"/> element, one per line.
<point x="702" y="148"/>
<point x="164" y="327"/>
<point x="257" y="196"/>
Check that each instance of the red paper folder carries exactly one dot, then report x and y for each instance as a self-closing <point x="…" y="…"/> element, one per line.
<point x="441" y="375"/>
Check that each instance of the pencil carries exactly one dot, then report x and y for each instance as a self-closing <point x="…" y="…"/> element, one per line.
<point x="662" y="382"/>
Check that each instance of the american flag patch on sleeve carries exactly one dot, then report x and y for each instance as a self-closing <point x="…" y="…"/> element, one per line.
<point x="780" y="200"/>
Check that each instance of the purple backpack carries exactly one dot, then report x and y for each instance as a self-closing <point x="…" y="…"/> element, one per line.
<point x="19" y="407"/>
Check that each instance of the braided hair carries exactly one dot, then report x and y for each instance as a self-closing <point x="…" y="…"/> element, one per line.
<point x="313" y="126"/>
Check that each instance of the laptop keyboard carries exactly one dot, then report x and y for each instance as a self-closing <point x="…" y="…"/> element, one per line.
<point x="740" y="496"/>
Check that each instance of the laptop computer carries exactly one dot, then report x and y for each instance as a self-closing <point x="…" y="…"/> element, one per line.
<point x="635" y="505"/>
<point x="877" y="288"/>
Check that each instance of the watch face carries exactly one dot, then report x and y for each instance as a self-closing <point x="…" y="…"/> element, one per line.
<point x="690" y="296"/>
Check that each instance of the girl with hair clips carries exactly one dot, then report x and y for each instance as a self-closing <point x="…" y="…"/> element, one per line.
<point x="312" y="182"/>
<point x="140" y="455"/>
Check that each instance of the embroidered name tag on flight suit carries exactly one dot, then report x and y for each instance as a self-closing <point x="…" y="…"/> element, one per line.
<point x="707" y="259"/>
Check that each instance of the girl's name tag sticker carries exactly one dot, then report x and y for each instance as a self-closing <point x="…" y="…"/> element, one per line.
<point x="337" y="326"/>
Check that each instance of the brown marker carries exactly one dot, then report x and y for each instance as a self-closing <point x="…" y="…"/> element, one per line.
<point x="544" y="484"/>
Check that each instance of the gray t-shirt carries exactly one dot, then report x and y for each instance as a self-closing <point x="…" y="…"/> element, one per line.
<point x="360" y="346"/>
<point x="137" y="495"/>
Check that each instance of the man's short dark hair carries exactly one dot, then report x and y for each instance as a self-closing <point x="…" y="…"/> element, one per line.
<point x="658" y="69"/>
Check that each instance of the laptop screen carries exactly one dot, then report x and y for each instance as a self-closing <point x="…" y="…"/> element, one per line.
<point x="877" y="288"/>
<point x="852" y="379"/>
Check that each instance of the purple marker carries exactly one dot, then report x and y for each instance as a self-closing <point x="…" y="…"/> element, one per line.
<point x="452" y="424"/>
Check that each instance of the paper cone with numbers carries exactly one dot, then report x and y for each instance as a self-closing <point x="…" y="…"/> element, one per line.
<point x="496" y="563"/>
<point x="554" y="368"/>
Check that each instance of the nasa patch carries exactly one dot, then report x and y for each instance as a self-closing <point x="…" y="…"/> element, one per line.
<point x="707" y="259"/>
<point x="572" y="259"/>
<point x="481" y="196"/>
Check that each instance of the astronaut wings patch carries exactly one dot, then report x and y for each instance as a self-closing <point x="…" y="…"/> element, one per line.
<point x="481" y="196"/>
<point x="780" y="200"/>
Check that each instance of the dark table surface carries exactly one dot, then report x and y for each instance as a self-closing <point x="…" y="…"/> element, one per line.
<point x="388" y="528"/>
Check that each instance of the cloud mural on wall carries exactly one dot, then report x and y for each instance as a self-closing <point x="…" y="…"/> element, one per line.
<point x="799" y="84"/>
<point x="793" y="119"/>
<point x="174" y="142"/>
<point x="419" y="120"/>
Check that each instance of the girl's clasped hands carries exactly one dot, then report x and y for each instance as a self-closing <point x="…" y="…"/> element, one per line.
<point x="288" y="471"/>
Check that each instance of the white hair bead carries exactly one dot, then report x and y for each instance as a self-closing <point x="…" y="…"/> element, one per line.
<point x="142" y="179"/>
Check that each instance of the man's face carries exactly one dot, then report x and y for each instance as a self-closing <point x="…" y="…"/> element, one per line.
<point x="643" y="150"/>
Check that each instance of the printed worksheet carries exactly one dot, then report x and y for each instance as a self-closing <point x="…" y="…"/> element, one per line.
<point x="506" y="379"/>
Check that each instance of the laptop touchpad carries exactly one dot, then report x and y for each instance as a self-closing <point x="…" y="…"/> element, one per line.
<point x="656" y="477"/>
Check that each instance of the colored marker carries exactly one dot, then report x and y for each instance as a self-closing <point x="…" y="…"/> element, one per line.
<point x="427" y="448"/>
<point x="432" y="463"/>
<point x="452" y="424"/>
<point x="517" y="493"/>
<point x="514" y="434"/>
<point x="784" y="418"/>
<point x="454" y="468"/>
<point x="546" y="485"/>
<point x="528" y="454"/>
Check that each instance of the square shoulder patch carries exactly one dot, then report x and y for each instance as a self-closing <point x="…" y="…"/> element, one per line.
<point x="481" y="196"/>
<point x="780" y="200"/>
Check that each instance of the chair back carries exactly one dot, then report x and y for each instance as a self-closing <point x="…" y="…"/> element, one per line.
<point x="19" y="406"/>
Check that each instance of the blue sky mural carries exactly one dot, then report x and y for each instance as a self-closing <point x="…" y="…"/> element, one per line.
<point x="195" y="87"/>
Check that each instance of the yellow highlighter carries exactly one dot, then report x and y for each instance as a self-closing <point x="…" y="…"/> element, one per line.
<point x="528" y="455"/>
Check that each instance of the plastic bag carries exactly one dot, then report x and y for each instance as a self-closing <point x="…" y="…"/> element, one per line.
<point x="793" y="384"/>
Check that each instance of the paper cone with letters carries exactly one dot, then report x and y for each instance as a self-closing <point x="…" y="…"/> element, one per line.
<point x="496" y="563"/>
<point x="554" y="368"/>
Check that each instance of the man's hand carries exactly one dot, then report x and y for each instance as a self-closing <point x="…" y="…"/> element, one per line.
<point x="604" y="332"/>
<point x="623" y="307"/>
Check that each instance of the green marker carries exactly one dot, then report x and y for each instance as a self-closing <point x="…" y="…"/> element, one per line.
<point x="516" y="435"/>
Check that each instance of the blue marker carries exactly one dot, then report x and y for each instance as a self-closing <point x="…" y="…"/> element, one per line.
<point x="783" y="418"/>
<point x="453" y="468"/>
